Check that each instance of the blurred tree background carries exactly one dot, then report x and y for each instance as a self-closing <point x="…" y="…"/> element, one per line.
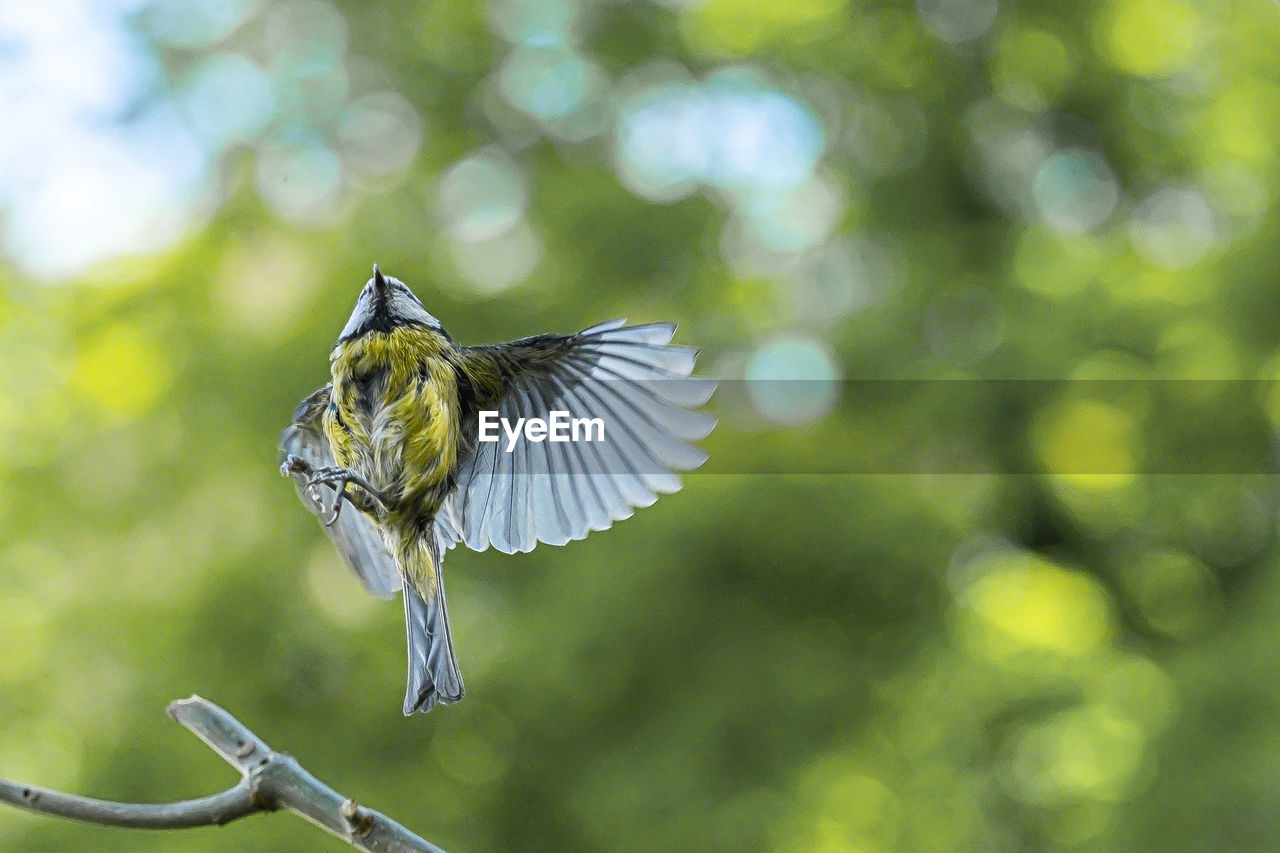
<point x="1011" y="624"/>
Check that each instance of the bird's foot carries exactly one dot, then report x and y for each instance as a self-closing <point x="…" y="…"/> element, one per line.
<point x="295" y="465"/>
<point x="333" y="476"/>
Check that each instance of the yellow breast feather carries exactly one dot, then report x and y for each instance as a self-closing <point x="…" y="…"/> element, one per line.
<point x="393" y="414"/>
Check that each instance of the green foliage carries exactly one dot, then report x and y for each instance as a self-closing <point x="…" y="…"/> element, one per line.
<point x="982" y="615"/>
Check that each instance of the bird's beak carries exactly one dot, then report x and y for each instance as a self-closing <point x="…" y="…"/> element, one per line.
<point x="379" y="283"/>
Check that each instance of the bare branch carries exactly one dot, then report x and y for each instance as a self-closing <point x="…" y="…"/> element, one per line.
<point x="221" y="732"/>
<point x="270" y="781"/>
<point x="217" y="809"/>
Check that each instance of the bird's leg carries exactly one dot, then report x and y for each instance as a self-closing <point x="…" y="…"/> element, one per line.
<point x="335" y="477"/>
<point x="338" y="478"/>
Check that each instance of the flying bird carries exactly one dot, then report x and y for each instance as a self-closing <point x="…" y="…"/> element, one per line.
<point x="397" y="434"/>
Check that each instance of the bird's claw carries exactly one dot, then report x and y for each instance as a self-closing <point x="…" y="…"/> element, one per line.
<point x="333" y="476"/>
<point x="294" y="465"/>
<point x="338" y="479"/>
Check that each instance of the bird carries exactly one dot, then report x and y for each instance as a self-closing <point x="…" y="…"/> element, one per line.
<point x="397" y="434"/>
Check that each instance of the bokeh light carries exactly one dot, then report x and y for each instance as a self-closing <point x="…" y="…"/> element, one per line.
<point x="228" y="99"/>
<point x="499" y="262"/>
<point x="732" y="132"/>
<point x="548" y="83"/>
<point x="1075" y="191"/>
<point x="191" y="23"/>
<point x="535" y="23"/>
<point x="800" y="219"/>
<point x="1149" y="37"/>
<point x="742" y="27"/>
<point x="958" y="21"/>
<point x="76" y="185"/>
<point x="1175" y="593"/>
<point x="299" y="174"/>
<point x="1173" y="227"/>
<point x="847" y="275"/>
<point x="792" y="380"/>
<point x="482" y="196"/>
<point x="379" y="134"/>
<point x="1032" y="604"/>
<point x="1089" y="442"/>
<point x="1032" y="69"/>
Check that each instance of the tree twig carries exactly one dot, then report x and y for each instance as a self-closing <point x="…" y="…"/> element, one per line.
<point x="217" y="809"/>
<point x="269" y="781"/>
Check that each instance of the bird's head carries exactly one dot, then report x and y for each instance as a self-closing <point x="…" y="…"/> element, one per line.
<point x="385" y="304"/>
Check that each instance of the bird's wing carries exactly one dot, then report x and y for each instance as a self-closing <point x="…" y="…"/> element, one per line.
<point x="629" y="377"/>
<point x="357" y="539"/>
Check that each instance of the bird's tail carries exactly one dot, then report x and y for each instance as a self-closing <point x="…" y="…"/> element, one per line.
<point x="433" y="668"/>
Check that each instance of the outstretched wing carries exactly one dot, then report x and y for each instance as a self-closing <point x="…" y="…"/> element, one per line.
<point x="627" y="378"/>
<point x="357" y="539"/>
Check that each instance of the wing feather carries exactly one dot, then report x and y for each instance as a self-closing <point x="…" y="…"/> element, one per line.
<point x="358" y="540"/>
<point x="553" y="495"/>
<point x="602" y="499"/>
<point x="632" y="379"/>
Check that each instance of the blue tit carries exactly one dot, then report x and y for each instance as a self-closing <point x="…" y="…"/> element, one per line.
<point x="397" y="434"/>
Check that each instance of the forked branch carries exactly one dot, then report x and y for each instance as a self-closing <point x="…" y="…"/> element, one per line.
<point x="269" y="781"/>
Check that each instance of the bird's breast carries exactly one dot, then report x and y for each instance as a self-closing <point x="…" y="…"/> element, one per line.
<point x="394" y="412"/>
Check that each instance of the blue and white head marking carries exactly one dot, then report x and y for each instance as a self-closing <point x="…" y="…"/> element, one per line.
<point x="384" y="304"/>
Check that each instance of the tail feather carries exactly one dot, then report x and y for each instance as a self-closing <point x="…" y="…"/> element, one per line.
<point x="433" y="668"/>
